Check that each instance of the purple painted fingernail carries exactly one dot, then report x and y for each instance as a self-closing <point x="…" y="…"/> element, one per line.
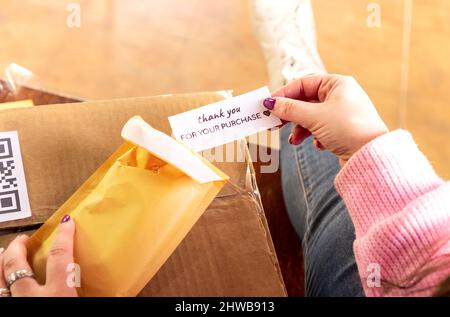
<point x="269" y="103"/>
<point x="65" y="219"/>
<point x="291" y="140"/>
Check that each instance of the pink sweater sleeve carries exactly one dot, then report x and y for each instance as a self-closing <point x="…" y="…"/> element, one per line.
<point x="401" y="212"/>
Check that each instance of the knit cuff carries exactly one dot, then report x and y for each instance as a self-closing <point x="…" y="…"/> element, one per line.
<point x="383" y="177"/>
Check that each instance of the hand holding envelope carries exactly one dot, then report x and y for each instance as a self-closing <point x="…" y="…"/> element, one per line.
<point x="132" y="212"/>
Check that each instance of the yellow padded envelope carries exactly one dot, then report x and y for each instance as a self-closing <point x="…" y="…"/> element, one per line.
<point x="16" y="104"/>
<point x="132" y="212"/>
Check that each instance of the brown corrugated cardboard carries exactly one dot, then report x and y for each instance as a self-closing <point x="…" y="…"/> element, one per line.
<point x="229" y="251"/>
<point x="39" y="97"/>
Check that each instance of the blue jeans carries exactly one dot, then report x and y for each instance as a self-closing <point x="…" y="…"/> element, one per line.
<point x="320" y="219"/>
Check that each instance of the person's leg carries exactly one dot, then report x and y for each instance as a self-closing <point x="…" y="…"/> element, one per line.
<point x="286" y="33"/>
<point x="320" y="218"/>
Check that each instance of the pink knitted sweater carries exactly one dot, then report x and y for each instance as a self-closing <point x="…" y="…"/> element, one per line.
<point x="401" y="212"/>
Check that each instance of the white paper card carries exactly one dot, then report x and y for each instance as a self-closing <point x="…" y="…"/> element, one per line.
<point x="224" y="121"/>
<point x="14" y="202"/>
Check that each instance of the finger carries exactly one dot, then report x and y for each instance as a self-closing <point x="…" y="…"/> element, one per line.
<point x="15" y="259"/>
<point x="61" y="254"/>
<point x="298" y="135"/>
<point x="283" y="123"/>
<point x="2" y="277"/>
<point x="318" y="145"/>
<point x="292" y="110"/>
<point x="308" y="88"/>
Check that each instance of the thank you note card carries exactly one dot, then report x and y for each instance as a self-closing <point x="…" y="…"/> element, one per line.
<point x="224" y="121"/>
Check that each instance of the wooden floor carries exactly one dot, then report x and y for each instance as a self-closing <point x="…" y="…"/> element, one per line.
<point x="136" y="47"/>
<point x="133" y="47"/>
<point x="412" y="92"/>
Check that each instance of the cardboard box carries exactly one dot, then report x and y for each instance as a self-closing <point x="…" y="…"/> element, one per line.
<point x="229" y="252"/>
<point x="39" y="97"/>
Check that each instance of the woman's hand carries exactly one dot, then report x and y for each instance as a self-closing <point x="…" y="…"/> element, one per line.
<point x="14" y="258"/>
<point x="333" y="108"/>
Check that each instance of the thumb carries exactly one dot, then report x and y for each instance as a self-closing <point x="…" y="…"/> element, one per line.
<point x="292" y="110"/>
<point x="61" y="253"/>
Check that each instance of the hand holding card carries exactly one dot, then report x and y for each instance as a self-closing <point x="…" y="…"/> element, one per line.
<point x="224" y="121"/>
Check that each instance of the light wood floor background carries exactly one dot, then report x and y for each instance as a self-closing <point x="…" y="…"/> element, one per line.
<point x="145" y="47"/>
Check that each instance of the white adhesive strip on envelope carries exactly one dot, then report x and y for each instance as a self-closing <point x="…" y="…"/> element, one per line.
<point x="138" y="132"/>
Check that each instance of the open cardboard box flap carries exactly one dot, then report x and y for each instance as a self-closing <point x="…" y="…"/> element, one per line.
<point x="229" y="251"/>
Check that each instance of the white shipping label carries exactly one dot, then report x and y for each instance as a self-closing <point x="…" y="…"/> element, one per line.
<point x="14" y="202"/>
<point x="224" y="121"/>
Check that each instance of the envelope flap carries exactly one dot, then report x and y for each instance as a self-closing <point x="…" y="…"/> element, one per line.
<point x="139" y="132"/>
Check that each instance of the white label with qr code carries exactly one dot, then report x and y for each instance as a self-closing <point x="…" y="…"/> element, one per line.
<point x="14" y="202"/>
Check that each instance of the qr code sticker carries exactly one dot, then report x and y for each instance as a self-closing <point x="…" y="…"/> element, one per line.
<point x="14" y="202"/>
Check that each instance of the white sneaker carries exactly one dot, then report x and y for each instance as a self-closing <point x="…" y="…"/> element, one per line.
<point x="286" y="33"/>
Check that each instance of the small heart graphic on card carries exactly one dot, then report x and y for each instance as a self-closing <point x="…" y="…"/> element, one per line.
<point x="267" y="113"/>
